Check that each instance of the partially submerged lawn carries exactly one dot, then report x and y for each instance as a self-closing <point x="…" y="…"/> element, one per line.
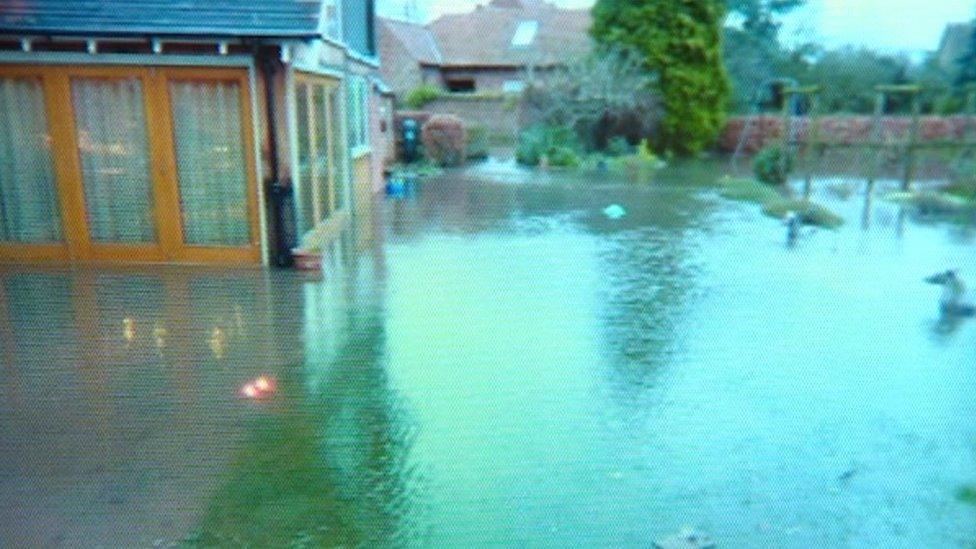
<point x="777" y="205"/>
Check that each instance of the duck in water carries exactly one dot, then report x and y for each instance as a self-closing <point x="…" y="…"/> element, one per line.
<point x="953" y="291"/>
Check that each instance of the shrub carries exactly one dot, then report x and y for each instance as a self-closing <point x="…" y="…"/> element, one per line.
<point x="640" y="165"/>
<point x="422" y="95"/>
<point x="444" y="139"/>
<point x="964" y="180"/>
<point x="478" y="142"/>
<point x="963" y="189"/>
<point x="619" y="146"/>
<point x="553" y="142"/>
<point x="772" y="166"/>
<point x="563" y="157"/>
<point x="602" y="95"/>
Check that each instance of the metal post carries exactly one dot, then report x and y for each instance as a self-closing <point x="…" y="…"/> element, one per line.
<point x="787" y="131"/>
<point x="909" y="172"/>
<point x="879" y="106"/>
<point x="813" y="141"/>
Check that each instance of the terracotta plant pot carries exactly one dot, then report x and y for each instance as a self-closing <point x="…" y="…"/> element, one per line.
<point x="307" y="260"/>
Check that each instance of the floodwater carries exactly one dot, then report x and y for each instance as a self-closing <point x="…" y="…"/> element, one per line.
<point x="494" y="362"/>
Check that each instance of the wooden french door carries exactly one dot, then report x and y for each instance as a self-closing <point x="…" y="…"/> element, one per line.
<point x="147" y="164"/>
<point x="320" y="148"/>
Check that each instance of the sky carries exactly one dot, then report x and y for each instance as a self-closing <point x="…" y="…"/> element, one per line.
<point x="887" y="25"/>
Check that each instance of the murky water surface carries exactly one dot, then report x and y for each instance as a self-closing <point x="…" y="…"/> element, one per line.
<point x="496" y="362"/>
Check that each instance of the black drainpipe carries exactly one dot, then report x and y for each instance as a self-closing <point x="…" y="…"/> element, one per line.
<point x="279" y="192"/>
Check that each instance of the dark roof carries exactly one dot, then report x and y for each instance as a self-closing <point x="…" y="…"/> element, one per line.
<point x="225" y="18"/>
<point x="416" y="39"/>
<point x="483" y="37"/>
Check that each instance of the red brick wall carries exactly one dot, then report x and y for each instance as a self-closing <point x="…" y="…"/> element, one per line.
<point x="767" y="129"/>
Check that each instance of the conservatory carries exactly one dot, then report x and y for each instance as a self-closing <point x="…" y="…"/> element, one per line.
<point x="146" y="131"/>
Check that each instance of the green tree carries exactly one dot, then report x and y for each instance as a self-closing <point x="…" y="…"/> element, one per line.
<point x="759" y="16"/>
<point x="966" y="75"/>
<point x="752" y="52"/>
<point x="850" y="75"/>
<point x="680" y="41"/>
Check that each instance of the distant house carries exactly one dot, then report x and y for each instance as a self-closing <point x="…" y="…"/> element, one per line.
<point x="956" y="41"/>
<point x="408" y="50"/>
<point x="492" y="49"/>
<point x="168" y="130"/>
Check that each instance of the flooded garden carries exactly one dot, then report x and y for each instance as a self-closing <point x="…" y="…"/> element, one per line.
<point x="493" y="360"/>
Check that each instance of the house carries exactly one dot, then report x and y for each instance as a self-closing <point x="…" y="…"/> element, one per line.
<point x="184" y="131"/>
<point x="956" y="40"/>
<point x="492" y="49"/>
<point x="406" y="49"/>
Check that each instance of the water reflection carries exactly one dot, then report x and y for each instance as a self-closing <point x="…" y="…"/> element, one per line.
<point x="649" y="272"/>
<point x="115" y="406"/>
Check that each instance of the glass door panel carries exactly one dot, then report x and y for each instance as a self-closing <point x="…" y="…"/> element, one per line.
<point x="211" y="162"/>
<point x="113" y="148"/>
<point x="29" y="206"/>
<point x="337" y="150"/>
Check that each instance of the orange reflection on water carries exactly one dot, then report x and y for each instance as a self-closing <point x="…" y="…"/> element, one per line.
<point x="259" y="388"/>
<point x="218" y="343"/>
<point x="129" y="329"/>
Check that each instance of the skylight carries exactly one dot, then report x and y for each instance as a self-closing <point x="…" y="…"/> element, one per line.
<point x="525" y="34"/>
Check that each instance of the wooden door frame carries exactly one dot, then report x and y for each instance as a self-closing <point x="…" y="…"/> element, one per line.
<point x="327" y="202"/>
<point x="182" y="252"/>
<point x="164" y="178"/>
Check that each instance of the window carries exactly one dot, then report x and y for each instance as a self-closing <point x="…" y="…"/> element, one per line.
<point x="358" y="112"/>
<point x="211" y="163"/>
<point x="113" y="146"/>
<point x="461" y="85"/>
<point x="28" y="195"/>
<point x="525" y="34"/>
<point x="319" y="175"/>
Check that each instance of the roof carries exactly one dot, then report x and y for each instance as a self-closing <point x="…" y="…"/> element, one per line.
<point x="416" y="38"/>
<point x="955" y="43"/>
<point x="483" y="37"/>
<point x="236" y="18"/>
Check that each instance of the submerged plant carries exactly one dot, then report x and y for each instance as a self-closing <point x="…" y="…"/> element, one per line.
<point x="557" y="144"/>
<point x="773" y="165"/>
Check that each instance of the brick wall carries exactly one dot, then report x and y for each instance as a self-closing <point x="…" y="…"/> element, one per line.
<point x="768" y="129"/>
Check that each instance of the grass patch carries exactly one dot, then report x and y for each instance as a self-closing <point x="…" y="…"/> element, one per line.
<point x="932" y="202"/>
<point x="776" y="205"/>
<point x="319" y="468"/>
<point x="810" y="213"/>
<point x="749" y="190"/>
<point x="963" y="189"/>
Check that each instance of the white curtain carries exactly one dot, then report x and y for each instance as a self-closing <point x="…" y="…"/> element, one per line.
<point x="304" y="198"/>
<point x="113" y="146"/>
<point x="322" y="163"/>
<point x="29" y="210"/>
<point x="337" y="150"/>
<point x="211" y="163"/>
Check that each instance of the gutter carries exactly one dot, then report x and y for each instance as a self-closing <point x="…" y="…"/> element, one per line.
<point x="279" y="192"/>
